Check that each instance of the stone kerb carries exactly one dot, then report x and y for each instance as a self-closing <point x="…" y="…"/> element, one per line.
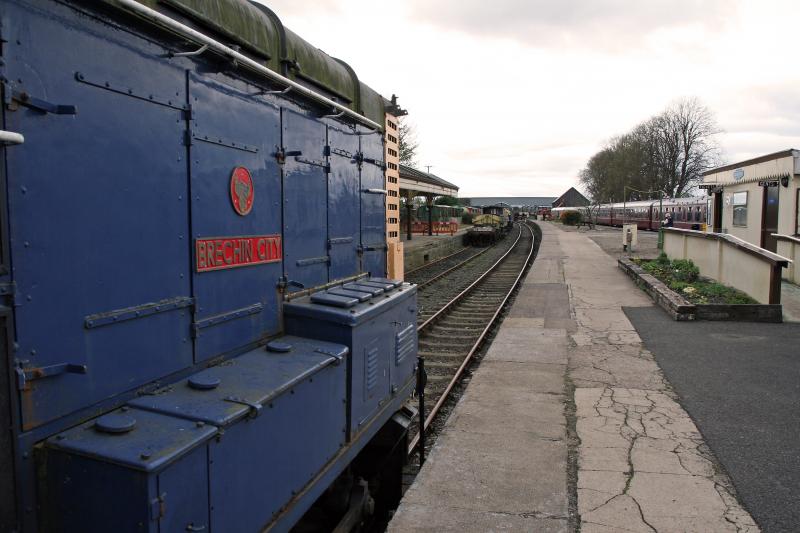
<point x="678" y="307"/>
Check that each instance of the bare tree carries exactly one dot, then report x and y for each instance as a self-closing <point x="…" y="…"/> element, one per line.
<point x="689" y="129"/>
<point x="668" y="152"/>
<point x="407" y="139"/>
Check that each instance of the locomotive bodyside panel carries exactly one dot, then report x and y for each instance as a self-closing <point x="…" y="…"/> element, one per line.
<point x="154" y="207"/>
<point x="102" y="305"/>
<point x="305" y="198"/>
<point x="236" y="214"/>
<point x="343" y="202"/>
<point x="373" y="204"/>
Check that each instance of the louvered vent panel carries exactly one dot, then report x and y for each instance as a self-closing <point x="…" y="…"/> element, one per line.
<point x="405" y="343"/>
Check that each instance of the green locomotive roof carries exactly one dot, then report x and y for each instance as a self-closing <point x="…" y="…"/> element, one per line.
<point x="260" y="34"/>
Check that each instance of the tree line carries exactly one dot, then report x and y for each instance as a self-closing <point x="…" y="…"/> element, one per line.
<point x="666" y="153"/>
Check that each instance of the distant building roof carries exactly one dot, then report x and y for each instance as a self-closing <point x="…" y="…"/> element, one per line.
<point x="410" y="175"/>
<point x="513" y="201"/>
<point x="571" y="198"/>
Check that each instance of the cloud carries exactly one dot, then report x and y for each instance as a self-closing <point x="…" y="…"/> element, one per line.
<point x="762" y="109"/>
<point x="610" y="24"/>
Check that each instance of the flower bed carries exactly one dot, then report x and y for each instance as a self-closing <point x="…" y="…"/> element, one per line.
<point x="683" y="277"/>
<point x="707" y="294"/>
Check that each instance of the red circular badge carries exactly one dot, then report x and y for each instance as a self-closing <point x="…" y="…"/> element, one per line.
<point x="242" y="190"/>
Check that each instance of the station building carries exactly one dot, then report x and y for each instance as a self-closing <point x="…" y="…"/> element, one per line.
<point x="571" y="198"/>
<point x="756" y="199"/>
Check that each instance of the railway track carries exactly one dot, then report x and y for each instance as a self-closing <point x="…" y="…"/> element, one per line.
<point x="435" y="270"/>
<point x="455" y="331"/>
<point x="440" y="290"/>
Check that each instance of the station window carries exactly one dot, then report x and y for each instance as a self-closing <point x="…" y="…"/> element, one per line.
<point x="740" y="208"/>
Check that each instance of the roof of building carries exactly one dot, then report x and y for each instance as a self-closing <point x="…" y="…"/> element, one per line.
<point x="513" y="201"/>
<point x="571" y="198"/>
<point x="754" y="161"/>
<point x="425" y="177"/>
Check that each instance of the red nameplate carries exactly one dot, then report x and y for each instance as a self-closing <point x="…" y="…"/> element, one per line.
<point x="230" y="252"/>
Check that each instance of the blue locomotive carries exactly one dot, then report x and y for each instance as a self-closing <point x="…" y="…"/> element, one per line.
<point x="198" y="333"/>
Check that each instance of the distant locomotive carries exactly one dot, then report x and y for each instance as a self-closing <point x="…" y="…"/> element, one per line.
<point x="503" y="211"/>
<point x="485" y="231"/>
<point x="198" y="332"/>
<point x="686" y="213"/>
<point x="493" y="224"/>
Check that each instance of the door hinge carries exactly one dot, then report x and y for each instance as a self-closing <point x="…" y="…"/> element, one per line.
<point x="281" y="154"/>
<point x="158" y="507"/>
<point x="43" y="106"/>
<point x="9" y="291"/>
<point x="24" y="375"/>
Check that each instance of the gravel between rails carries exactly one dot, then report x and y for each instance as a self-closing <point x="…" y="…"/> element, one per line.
<point x="433" y="296"/>
<point x="428" y="274"/>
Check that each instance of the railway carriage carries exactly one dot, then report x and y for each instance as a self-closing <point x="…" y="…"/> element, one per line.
<point x="198" y="334"/>
<point x="686" y="213"/>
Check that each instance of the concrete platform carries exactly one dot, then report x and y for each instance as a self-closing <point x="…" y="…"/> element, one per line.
<point x="423" y="249"/>
<point x="567" y="358"/>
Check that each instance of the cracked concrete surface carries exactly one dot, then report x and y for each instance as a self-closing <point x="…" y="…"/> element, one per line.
<point x="642" y="463"/>
<point x="568" y="417"/>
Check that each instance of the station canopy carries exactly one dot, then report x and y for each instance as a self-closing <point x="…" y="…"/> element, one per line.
<point x="419" y="183"/>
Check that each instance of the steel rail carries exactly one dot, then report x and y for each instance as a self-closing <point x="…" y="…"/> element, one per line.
<point x="216" y="46"/>
<point x="435" y="410"/>
<point x="469" y="289"/>
<point x="451" y="269"/>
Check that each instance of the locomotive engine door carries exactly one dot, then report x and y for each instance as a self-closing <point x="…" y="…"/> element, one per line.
<point x="343" y="202"/>
<point x="373" y="204"/>
<point x="97" y="199"/>
<point x="236" y="206"/>
<point x="305" y="199"/>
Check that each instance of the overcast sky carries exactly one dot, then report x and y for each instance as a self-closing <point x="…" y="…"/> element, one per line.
<point x="511" y="97"/>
